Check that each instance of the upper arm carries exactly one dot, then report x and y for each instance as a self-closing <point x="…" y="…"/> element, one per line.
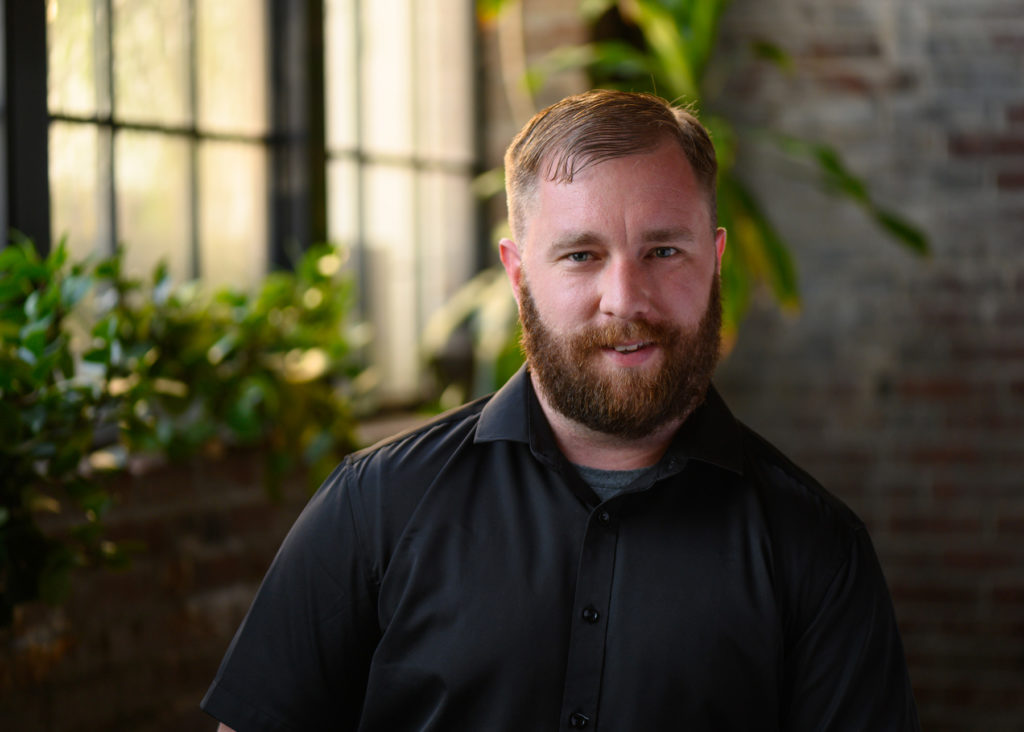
<point x="301" y="656"/>
<point x="846" y="669"/>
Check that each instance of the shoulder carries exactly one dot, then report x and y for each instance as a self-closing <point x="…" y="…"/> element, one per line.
<point x="814" y="536"/>
<point x="791" y="495"/>
<point x="381" y="486"/>
<point x="417" y="452"/>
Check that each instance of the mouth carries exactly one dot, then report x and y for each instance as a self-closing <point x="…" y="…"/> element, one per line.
<point x="632" y="347"/>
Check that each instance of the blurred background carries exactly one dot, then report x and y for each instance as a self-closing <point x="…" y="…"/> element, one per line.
<point x="251" y="235"/>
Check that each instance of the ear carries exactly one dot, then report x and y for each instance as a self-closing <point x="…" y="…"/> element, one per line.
<point x="512" y="261"/>
<point x="720" y="237"/>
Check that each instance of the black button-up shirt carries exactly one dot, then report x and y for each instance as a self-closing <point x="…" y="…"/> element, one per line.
<point x="463" y="577"/>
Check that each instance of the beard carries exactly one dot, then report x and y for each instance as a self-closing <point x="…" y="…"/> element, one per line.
<point x="630" y="403"/>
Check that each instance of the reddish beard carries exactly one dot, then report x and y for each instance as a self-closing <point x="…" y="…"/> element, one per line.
<point x="631" y="403"/>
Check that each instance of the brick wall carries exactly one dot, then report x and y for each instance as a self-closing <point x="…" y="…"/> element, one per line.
<point x="901" y="383"/>
<point x="134" y="650"/>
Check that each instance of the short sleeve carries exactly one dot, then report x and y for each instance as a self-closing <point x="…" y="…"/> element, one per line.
<point x="300" y="658"/>
<point x="846" y="670"/>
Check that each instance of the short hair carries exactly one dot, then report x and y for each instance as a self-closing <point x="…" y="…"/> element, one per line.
<point x="598" y="125"/>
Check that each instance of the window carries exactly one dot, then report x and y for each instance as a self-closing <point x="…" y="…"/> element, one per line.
<point x="224" y="136"/>
<point x="401" y="158"/>
<point x="159" y="133"/>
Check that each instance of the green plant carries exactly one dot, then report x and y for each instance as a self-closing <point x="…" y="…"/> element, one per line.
<point x="670" y="52"/>
<point x="667" y="47"/>
<point x="48" y="422"/>
<point x="96" y="366"/>
<point x="197" y="371"/>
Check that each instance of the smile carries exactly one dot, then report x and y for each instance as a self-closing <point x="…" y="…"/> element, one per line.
<point x="631" y="348"/>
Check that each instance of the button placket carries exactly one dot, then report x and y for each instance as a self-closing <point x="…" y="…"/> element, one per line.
<point x="587" y="641"/>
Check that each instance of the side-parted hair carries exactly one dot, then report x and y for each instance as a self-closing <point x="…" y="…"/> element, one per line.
<point x="585" y="129"/>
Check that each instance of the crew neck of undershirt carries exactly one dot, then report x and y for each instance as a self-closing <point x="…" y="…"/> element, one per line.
<point x="609" y="483"/>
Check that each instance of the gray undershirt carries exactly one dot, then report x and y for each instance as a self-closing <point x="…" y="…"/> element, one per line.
<point x="609" y="483"/>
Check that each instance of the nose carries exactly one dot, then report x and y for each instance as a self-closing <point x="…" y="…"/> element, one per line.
<point x="625" y="290"/>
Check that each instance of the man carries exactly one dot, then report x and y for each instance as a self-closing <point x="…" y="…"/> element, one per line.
<point x="599" y="545"/>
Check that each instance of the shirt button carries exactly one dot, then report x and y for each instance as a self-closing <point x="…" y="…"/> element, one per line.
<point x="604" y="518"/>
<point x="590" y="614"/>
<point x="578" y="720"/>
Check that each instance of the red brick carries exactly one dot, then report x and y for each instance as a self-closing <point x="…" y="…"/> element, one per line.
<point x="1008" y="595"/>
<point x="1010" y="180"/>
<point x="867" y="47"/>
<point x="933" y="593"/>
<point x="945" y="455"/>
<point x="935" y="524"/>
<point x="979" y="560"/>
<point x="986" y="144"/>
<point x="1013" y="42"/>
<point x="848" y="83"/>
<point x="1012" y="525"/>
<point x="937" y="387"/>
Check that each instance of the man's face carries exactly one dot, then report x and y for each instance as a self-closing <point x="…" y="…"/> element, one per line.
<point x="617" y="288"/>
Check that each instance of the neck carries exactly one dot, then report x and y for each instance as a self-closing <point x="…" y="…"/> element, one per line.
<point x="584" y="446"/>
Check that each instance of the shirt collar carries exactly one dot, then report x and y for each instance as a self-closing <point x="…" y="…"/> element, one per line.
<point x="711" y="434"/>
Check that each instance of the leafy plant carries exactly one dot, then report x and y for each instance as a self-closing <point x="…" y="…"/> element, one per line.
<point x="96" y="367"/>
<point x="672" y="49"/>
<point x="667" y="47"/>
<point x="48" y="420"/>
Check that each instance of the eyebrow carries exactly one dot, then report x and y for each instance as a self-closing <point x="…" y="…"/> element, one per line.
<point x="574" y="240"/>
<point x="660" y="236"/>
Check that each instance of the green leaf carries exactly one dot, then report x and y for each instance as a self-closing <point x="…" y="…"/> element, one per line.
<point x="73" y="289"/>
<point x="766" y="254"/>
<point x="902" y="230"/>
<point x="488" y="10"/>
<point x="773" y="53"/>
<point x="592" y="10"/>
<point x="705" y="18"/>
<point x="669" y="48"/>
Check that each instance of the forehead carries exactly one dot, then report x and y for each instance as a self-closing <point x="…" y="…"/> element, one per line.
<point x="649" y="189"/>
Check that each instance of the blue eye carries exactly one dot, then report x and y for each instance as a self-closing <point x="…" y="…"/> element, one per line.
<point x="578" y="257"/>
<point x="664" y="252"/>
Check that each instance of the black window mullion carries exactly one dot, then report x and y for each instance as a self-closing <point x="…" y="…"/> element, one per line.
<point x="108" y="150"/>
<point x="27" y="143"/>
<point x="195" y="261"/>
<point x="297" y="174"/>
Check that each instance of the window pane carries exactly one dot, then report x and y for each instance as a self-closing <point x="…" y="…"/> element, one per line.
<point x="340" y="48"/>
<point x="151" y="61"/>
<point x="232" y="224"/>
<point x="387" y="89"/>
<point x="391" y="265"/>
<point x="232" y="58"/>
<point x="76" y="201"/>
<point x="153" y="211"/>
<point x="343" y="203"/>
<point x="446" y="232"/>
<point x="71" y="41"/>
<point x="444" y="80"/>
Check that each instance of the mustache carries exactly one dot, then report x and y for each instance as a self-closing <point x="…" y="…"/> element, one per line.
<point x="614" y="334"/>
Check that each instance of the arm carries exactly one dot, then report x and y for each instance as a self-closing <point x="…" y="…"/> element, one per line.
<point x="846" y="670"/>
<point x="301" y="657"/>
